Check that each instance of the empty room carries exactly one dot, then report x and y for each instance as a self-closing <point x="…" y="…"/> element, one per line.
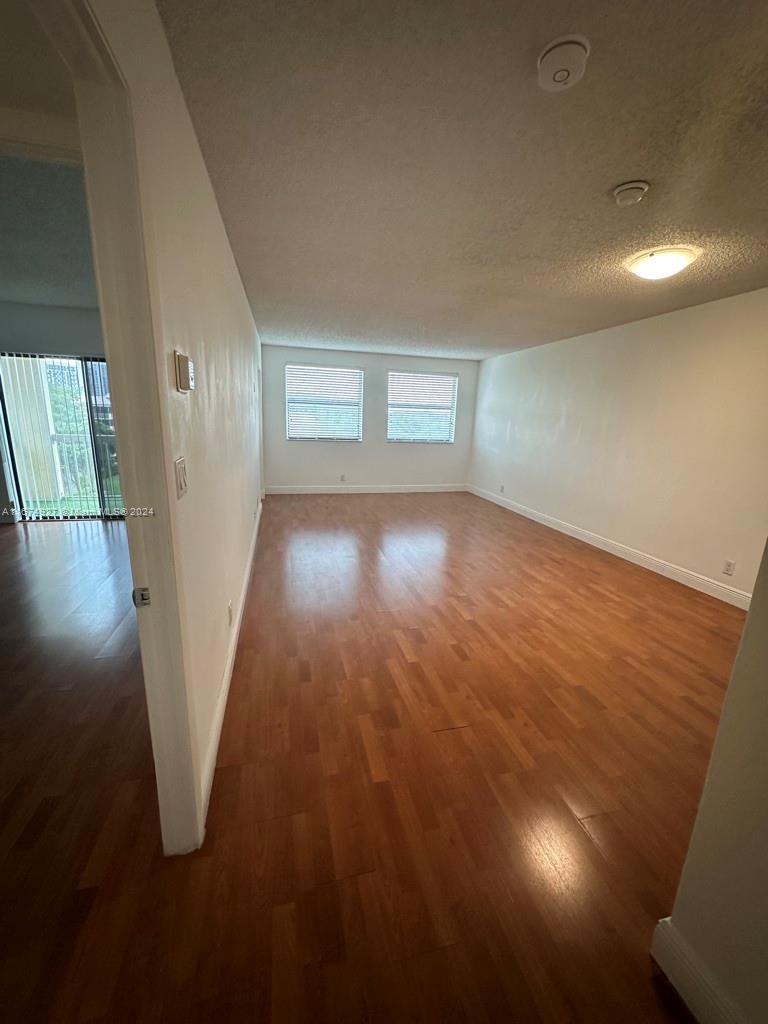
<point x="384" y="504"/>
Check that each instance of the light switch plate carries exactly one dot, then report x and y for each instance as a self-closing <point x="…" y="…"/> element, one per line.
<point x="180" y="471"/>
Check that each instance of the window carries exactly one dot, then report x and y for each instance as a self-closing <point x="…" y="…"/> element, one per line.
<point x="421" y="407"/>
<point x="323" y="403"/>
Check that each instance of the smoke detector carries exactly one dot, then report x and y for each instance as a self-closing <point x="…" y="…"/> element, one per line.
<point x="630" y="192"/>
<point x="562" y="63"/>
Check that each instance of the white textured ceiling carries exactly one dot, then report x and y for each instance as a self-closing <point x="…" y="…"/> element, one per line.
<point x="392" y="178"/>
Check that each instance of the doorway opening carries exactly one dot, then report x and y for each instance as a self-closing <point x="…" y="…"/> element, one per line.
<point x="57" y="414"/>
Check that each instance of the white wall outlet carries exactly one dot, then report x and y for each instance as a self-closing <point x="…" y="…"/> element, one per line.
<point x="180" y="473"/>
<point x="230" y="613"/>
<point x="501" y="489"/>
<point x="729" y="568"/>
<point x="343" y="477"/>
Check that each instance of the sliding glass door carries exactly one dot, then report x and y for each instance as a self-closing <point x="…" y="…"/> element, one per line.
<point x="103" y="434"/>
<point x="58" y="417"/>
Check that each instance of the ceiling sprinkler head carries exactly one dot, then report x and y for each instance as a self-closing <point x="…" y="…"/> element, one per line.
<point x="630" y="193"/>
<point x="562" y="63"/>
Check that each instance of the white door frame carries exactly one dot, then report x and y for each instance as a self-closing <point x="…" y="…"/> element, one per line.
<point x="114" y="204"/>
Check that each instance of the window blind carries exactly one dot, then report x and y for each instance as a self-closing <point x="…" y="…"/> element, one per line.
<point x="57" y="412"/>
<point x="421" y="407"/>
<point x="323" y="403"/>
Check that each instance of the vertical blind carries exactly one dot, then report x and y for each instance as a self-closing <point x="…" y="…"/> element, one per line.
<point x="60" y="432"/>
<point x="323" y="403"/>
<point x="421" y="407"/>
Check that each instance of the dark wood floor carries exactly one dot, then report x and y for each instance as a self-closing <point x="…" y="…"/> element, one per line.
<point x="76" y="770"/>
<point x="457" y="777"/>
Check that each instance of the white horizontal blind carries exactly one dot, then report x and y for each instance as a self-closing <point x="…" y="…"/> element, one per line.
<point x="421" y="407"/>
<point x="323" y="403"/>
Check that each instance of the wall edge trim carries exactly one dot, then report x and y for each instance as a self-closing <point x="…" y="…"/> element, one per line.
<point x="701" y="992"/>
<point x="362" y="488"/>
<point x="721" y="591"/>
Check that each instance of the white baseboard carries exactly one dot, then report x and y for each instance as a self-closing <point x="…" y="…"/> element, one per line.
<point x="209" y="766"/>
<point x="722" y="591"/>
<point x="701" y="992"/>
<point x="364" y="488"/>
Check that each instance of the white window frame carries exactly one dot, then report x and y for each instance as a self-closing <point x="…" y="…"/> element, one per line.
<point x="419" y="440"/>
<point x="325" y="366"/>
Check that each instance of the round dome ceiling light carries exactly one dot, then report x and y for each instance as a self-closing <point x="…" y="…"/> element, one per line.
<point x="630" y="193"/>
<point x="562" y="63"/>
<point x="656" y="264"/>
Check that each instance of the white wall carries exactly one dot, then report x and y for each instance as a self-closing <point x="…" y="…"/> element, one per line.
<point x="53" y="330"/>
<point x="714" y="946"/>
<point x="198" y="305"/>
<point x="653" y="435"/>
<point x="372" y="462"/>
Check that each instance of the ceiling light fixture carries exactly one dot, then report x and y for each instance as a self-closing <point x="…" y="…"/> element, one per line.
<point x="656" y="264"/>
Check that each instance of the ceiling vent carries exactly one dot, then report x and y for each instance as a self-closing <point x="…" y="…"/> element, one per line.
<point x="562" y="63"/>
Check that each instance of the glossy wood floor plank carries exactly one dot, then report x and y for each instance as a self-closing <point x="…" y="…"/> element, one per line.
<point x="76" y="778"/>
<point x="458" y="772"/>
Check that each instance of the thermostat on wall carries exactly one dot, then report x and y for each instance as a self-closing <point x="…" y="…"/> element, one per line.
<point x="185" y="372"/>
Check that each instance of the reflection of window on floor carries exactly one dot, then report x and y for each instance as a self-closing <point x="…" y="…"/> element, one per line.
<point x="410" y="562"/>
<point x="322" y="570"/>
<point x="58" y="415"/>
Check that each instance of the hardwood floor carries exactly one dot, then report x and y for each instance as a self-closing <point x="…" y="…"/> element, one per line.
<point x="458" y="772"/>
<point x="76" y="769"/>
